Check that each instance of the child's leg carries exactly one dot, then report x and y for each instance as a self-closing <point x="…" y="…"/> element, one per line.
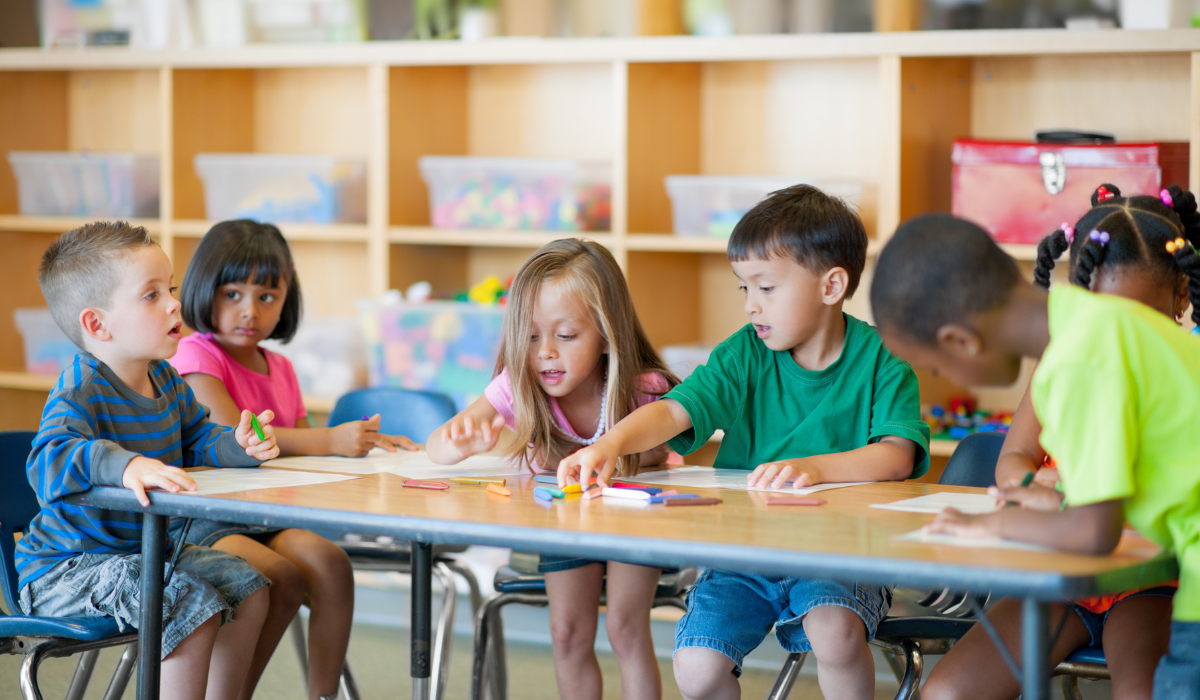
<point x="1136" y="635"/>
<point x="574" y="610"/>
<point x="704" y="674"/>
<point x="287" y="593"/>
<point x="630" y="595"/>
<point x="329" y="581"/>
<point x="974" y="668"/>
<point x="184" y="672"/>
<point x="845" y="667"/>
<point x="233" y="649"/>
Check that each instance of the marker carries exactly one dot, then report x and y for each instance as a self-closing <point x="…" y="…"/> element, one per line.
<point x="477" y="480"/>
<point x="632" y="494"/>
<point x="498" y="490"/>
<point x="1028" y="479"/>
<point x="796" y="501"/>
<point x="692" y="501"/>
<point x="257" y="428"/>
<point x="418" y="484"/>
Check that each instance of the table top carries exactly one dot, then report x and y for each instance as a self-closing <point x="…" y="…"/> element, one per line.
<point x="842" y="539"/>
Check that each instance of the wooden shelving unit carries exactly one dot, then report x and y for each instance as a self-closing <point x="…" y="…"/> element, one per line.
<point x="882" y="109"/>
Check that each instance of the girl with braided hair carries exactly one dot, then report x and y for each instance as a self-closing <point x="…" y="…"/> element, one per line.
<point x="1132" y="247"/>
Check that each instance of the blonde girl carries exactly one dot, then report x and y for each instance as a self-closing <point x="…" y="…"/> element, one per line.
<point x="574" y="360"/>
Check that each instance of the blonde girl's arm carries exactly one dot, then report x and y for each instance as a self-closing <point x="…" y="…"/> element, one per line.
<point x="474" y="430"/>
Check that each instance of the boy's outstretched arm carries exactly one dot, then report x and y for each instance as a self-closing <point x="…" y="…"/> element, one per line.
<point x="1094" y="528"/>
<point x="646" y="428"/>
<point x="890" y="459"/>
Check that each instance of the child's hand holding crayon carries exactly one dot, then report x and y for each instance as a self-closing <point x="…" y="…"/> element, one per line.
<point x="146" y="473"/>
<point x="578" y="467"/>
<point x="954" y="522"/>
<point x="356" y="438"/>
<point x="256" y="436"/>
<point x="773" y="475"/>
<point x="1033" y="496"/>
<point x="468" y="438"/>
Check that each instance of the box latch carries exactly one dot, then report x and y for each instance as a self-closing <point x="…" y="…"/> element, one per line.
<point x="1054" y="171"/>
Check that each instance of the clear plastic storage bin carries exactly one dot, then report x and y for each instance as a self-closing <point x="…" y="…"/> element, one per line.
<point x="328" y="355"/>
<point x="444" y="346"/>
<point x="710" y="206"/>
<point x="56" y="183"/>
<point x="684" y="359"/>
<point x="543" y="194"/>
<point x="47" y="349"/>
<point x="277" y="188"/>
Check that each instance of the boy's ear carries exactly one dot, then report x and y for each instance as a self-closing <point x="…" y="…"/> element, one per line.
<point x="959" y="341"/>
<point x="92" y="321"/>
<point x="834" y="283"/>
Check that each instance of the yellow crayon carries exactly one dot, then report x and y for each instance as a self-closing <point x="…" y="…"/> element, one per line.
<point x="572" y="488"/>
<point x="478" y="480"/>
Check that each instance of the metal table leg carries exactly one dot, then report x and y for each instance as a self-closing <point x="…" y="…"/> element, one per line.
<point x="422" y="613"/>
<point x="154" y="533"/>
<point x="1035" y="649"/>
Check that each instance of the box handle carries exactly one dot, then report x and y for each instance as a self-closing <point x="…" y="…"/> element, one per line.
<point x="1054" y="171"/>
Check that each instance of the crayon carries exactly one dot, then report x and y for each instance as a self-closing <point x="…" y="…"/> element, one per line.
<point x="796" y="501"/>
<point x="634" y="494"/>
<point x="257" y="428"/>
<point x="542" y="493"/>
<point x="692" y="501"/>
<point x="498" y="490"/>
<point x="419" y="484"/>
<point x="664" y="497"/>
<point x="477" y="480"/>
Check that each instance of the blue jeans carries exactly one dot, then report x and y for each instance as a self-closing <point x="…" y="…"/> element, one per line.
<point x="205" y="582"/>
<point x="732" y="613"/>
<point x="1178" y="674"/>
<point x="1095" y="622"/>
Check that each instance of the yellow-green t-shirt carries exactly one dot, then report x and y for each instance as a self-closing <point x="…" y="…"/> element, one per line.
<point x="1118" y="395"/>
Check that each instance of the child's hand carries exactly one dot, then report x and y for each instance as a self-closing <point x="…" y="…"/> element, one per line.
<point x="356" y="438"/>
<point x="467" y="438"/>
<point x="954" y="522"/>
<point x="577" y="468"/>
<point x="773" y="475"/>
<point x="1047" y="476"/>
<point x="143" y="472"/>
<point x="1033" y="497"/>
<point x="264" y="449"/>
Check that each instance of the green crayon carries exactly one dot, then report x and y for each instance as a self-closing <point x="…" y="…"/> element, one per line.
<point x="257" y="428"/>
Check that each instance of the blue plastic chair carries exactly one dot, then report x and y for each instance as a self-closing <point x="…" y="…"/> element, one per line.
<point x="414" y="414"/>
<point x="39" y="638"/>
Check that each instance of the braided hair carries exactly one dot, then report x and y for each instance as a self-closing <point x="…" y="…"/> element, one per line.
<point x="1133" y="230"/>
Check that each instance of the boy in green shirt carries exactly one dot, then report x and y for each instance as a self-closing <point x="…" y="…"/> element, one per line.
<point x="1117" y="391"/>
<point x="804" y="393"/>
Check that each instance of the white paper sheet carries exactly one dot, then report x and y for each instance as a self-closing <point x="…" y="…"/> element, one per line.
<point x="230" y="480"/>
<point x="955" y="541"/>
<point x="735" y="479"/>
<point x="413" y="465"/>
<point x="973" y="503"/>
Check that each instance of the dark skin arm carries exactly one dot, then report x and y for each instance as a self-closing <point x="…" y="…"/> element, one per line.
<point x="1094" y="528"/>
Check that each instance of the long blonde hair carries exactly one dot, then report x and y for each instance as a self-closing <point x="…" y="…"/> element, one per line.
<point x="588" y="272"/>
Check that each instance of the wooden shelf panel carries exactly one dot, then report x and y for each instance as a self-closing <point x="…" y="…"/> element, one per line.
<point x="487" y="238"/>
<point x="669" y="243"/>
<point x="62" y="224"/>
<point x="329" y="233"/>
<point x="645" y="49"/>
<point x="942" y="448"/>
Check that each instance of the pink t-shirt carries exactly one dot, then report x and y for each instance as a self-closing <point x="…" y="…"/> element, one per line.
<point x="499" y="393"/>
<point x="279" y="390"/>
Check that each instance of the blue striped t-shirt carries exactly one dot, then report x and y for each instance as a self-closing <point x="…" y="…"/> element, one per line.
<point x="91" y="428"/>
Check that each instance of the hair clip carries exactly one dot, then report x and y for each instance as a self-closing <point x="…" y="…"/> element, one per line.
<point x="1175" y="245"/>
<point x="1166" y="198"/>
<point x="1104" y="194"/>
<point x="1100" y="237"/>
<point x="1069" y="232"/>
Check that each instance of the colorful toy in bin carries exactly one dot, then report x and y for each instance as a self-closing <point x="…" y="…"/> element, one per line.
<point x="443" y="346"/>
<point x="960" y="417"/>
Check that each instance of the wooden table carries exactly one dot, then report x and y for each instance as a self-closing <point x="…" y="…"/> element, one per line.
<point x="843" y="539"/>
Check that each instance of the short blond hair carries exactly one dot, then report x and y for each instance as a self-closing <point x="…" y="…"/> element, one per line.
<point x="80" y="270"/>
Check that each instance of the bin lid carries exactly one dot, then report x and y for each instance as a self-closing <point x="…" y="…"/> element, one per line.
<point x="1106" y="155"/>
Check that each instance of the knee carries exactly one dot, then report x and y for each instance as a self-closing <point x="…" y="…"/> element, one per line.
<point x="572" y="634"/>
<point x="627" y="632"/>
<point x="838" y="636"/>
<point x="700" y="672"/>
<point x="287" y="587"/>
<point x="253" y="609"/>
<point x="332" y="565"/>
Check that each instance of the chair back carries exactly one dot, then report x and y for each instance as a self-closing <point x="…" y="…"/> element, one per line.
<point x="974" y="461"/>
<point x="413" y="414"/>
<point x="18" y="506"/>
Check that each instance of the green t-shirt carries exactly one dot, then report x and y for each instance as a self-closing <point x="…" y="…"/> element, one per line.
<point x="1118" y="395"/>
<point x="771" y="408"/>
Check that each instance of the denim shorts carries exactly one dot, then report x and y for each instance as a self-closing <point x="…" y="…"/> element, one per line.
<point x="1094" y="622"/>
<point x="1178" y="674"/>
<point x="732" y="613"/>
<point x="206" y="533"/>
<point x="205" y="582"/>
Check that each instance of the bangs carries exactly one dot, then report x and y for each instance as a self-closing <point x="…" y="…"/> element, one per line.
<point x="256" y="260"/>
<point x="764" y="245"/>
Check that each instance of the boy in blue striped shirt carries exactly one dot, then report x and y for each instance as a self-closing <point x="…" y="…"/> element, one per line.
<point x="121" y="416"/>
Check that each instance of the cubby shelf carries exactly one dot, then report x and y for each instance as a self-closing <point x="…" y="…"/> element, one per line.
<point x="485" y="238"/>
<point x="58" y="224"/>
<point x="328" y="233"/>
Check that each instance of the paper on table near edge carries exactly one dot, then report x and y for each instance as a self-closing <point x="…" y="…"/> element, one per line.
<point x="734" y="479"/>
<point x="214" y="481"/>
<point x="414" y="465"/>
<point x="972" y="503"/>
<point x="972" y="543"/>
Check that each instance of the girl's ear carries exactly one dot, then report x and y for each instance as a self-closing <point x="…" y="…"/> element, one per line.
<point x="959" y="341"/>
<point x="92" y="321"/>
<point x="1181" y="298"/>
<point x="834" y="284"/>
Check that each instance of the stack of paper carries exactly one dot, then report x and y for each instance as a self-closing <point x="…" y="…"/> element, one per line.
<point x="735" y="479"/>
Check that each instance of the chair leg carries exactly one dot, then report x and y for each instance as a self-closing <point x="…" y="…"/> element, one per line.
<point x="29" y="670"/>
<point x="83" y="674"/>
<point x="914" y="665"/>
<point x="896" y="663"/>
<point x="472" y="583"/>
<point x="498" y="654"/>
<point x="1070" y="688"/>
<point x="349" y="686"/>
<point x="444" y="635"/>
<point x="123" y="672"/>
<point x="787" y="677"/>
<point x="296" y="630"/>
<point x="479" y="651"/>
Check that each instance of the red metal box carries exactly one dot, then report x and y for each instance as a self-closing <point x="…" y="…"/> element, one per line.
<point x="1020" y="191"/>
